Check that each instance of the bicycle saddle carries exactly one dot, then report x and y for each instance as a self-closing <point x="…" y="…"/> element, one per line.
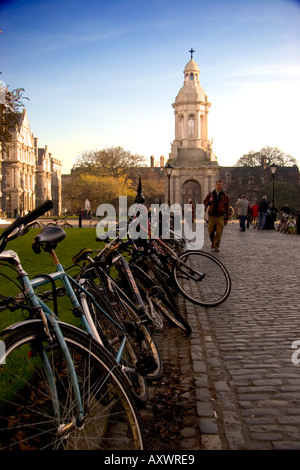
<point x="48" y="239"/>
<point x="82" y="255"/>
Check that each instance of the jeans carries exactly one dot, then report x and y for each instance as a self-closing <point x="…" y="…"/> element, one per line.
<point x="243" y="222"/>
<point x="262" y="220"/>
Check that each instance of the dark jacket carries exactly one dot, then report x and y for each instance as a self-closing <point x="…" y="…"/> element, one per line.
<point x="263" y="206"/>
<point x="219" y="206"/>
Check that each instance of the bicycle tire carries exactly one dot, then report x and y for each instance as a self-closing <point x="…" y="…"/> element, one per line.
<point x="149" y="344"/>
<point x="157" y="275"/>
<point x="27" y="418"/>
<point x="159" y="298"/>
<point x="283" y="227"/>
<point x="130" y="316"/>
<point x="94" y="222"/>
<point x="38" y="225"/>
<point x="111" y="338"/>
<point x="291" y="228"/>
<point x="209" y="290"/>
<point x="177" y="245"/>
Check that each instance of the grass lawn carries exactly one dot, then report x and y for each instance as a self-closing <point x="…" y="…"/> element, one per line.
<point x="33" y="264"/>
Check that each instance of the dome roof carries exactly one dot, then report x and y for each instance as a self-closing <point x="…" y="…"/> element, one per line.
<point x="191" y="91"/>
<point x="191" y="66"/>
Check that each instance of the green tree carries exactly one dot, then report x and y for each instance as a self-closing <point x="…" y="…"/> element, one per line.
<point x="111" y="161"/>
<point x="285" y="193"/>
<point x="96" y="189"/>
<point x="266" y="157"/>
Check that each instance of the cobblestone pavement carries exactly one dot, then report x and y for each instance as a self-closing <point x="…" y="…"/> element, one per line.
<point x="241" y="388"/>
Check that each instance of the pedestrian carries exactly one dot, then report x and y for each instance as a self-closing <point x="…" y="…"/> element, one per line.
<point x="263" y="207"/>
<point x="285" y="208"/>
<point x="242" y="207"/>
<point x="271" y="216"/>
<point x="249" y="216"/>
<point x="255" y="214"/>
<point x="217" y="204"/>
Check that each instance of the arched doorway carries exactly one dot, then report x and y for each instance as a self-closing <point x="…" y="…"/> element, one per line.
<point x="191" y="190"/>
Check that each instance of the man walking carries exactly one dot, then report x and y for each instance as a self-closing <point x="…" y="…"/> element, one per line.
<point x="217" y="203"/>
<point x="242" y="206"/>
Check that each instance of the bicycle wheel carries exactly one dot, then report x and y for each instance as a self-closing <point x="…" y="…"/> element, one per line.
<point x="153" y="291"/>
<point x="158" y="276"/>
<point x="38" y="224"/>
<point x="148" y="343"/>
<point x="202" y="279"/>
<point x="124" y="312"/>
<point x="28" y="419"/>
<point x="112" y="337"/>
<point x="291" y="228"/>
<point x="94" y="222"/>
<point x="283" y="227"/>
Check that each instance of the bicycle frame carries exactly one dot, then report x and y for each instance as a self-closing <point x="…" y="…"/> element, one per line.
<point x="85" y="316"/>
<point x="47" y="315"/>
<point x="119" y="259"/>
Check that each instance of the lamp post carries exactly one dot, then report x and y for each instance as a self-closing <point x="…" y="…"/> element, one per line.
<point x="168" y="170"/>
<point x="273" y="171"/>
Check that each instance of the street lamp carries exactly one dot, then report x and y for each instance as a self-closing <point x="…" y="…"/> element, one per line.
<point x="168" y="170"/>
<point x="273" y="168"/>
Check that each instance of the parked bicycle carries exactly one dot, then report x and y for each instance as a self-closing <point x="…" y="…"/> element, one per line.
<point x="129" y="312"/>
<point x="60" y="389"/>
<point x="60" y="222"/>
<point x="37" y="224"/>
<point x="198" y="276"/>
<point x="287" y="224"/>
<point x="150" y="301"/>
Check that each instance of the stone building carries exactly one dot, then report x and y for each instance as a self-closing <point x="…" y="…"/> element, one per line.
<point x="48" y="178"/>
<point x="29" y="175"/>
<point x="252" y="180"/>
<point x="195" y="166"/>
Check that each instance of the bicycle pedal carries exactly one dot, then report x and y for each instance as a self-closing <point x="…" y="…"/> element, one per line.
<point x="145" y="366"/>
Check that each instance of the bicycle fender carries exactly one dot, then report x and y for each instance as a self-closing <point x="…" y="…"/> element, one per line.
<point x="25" y="323"/>
<point x="20" y="325"/>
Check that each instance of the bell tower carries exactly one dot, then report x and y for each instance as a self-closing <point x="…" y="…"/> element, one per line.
<point x="192" y="157"/>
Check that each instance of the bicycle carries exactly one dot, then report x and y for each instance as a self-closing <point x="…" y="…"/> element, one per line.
<point x="152" y="286"/>
<point x="129" y="280"/>
<point x="86" y="306"/>
<point x="94" y="221"/>
<point x="60" y="222"/>
<point x="133" y="317"/>
<point x="60" y="389"/>
<point x="198" y="276"/>
<point x="37" y="224"/>
<point x="291" y="225"/>
<point x="287" y="224"/>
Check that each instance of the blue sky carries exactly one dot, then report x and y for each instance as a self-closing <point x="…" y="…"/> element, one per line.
<point x="105" y="73"/>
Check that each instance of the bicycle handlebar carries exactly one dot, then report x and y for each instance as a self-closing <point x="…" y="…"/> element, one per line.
<point x="26" y="219"/>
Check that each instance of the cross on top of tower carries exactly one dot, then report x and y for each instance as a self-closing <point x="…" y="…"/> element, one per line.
<point x="192" y="51"/>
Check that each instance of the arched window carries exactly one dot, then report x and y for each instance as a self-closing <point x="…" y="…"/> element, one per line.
<point x="191" y="76"/>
